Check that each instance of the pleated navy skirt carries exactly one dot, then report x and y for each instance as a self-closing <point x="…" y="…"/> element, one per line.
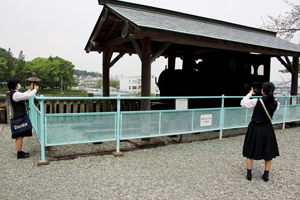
<point x="260" y="142"/>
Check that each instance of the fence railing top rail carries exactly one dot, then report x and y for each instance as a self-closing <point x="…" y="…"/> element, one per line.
<point x="154" y="98"/>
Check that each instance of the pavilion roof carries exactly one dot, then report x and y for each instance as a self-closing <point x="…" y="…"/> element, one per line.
<point x="169" y="26"/>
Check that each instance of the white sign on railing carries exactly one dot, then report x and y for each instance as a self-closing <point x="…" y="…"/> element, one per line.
<point x="206" y="120"/>
<point x="181" y="104"/>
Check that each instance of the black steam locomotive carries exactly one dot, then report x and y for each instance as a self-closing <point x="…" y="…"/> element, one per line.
<point x="213" y="74"/>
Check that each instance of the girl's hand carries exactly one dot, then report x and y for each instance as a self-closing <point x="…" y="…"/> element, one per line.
<point x="31" y="86"/>
<point x="252" y="91"/>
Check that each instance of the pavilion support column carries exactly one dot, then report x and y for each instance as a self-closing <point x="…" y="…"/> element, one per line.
<point x="294" y="84"/>
<point x="105" y="79"/>
<point x="146" y="73"/>
<point x="146" y="85"/>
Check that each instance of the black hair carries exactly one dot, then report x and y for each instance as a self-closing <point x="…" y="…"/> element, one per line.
<point x="13" y="82"/>
<point x="268" y="88"/>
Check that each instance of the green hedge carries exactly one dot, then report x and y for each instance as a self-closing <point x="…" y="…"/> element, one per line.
<point x="53" y="92"/>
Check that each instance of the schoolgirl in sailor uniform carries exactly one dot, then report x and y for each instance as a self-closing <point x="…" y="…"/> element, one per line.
<point x="260" y="140"/>
<point x="17" y="101"/>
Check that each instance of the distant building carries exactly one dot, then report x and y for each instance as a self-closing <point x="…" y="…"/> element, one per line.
<point x="88" y="81"/>
<point x="134" y="84"/>
<point x="91" y="81"/>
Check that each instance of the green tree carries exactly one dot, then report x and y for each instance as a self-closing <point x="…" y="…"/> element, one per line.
<point x="3" y="69"/>
<point x="3" y="53"/>
<point x="99" y="83"/>
<point x="11" y="65"/>
<point x="50" y="71"/>
<point x="86" y="73"/>
<point x="114" y="83"/>
<point x="20" y="65"/>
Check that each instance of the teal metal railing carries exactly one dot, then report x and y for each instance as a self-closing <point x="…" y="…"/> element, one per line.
<point x="75" y="128"/>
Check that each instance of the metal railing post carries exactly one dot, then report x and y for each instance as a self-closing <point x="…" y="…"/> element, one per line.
<point x="285" y="111"/>
<point x="30" y="110"/>
<point x="222" y="118"/>
<point x="118" y="122"/>
<point x="42" y="125"/>
<point x="42" y="129"/>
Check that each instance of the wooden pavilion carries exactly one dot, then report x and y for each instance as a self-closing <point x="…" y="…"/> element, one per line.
<point x="152" y="32"/>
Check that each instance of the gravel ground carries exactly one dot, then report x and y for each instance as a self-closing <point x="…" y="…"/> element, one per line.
<point x="210" y="169"/>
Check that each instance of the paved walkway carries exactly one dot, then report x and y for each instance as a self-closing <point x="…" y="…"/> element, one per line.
<point x="210" y="169"/>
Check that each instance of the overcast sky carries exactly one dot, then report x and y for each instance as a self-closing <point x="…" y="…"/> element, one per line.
<point x="62" y="28"/>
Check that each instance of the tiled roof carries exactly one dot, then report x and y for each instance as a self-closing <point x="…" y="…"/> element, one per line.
<point x="200" y="26"/>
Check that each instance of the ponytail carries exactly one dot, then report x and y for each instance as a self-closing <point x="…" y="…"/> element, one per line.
<point x="269" y="90"/>
<point x="270" y="100"/>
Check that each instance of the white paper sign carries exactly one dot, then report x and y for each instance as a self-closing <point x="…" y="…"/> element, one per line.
<point x="206" y="120"/>
<point x="181" y="104"/>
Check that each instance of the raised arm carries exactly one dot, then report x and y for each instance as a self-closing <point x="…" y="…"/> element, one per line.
<point x="18" y="96"/>
<point x="247" y="102"/>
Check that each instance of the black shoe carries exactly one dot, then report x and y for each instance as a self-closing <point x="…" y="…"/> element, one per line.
<point x="249" y="178"/>
<point x="22" y="154"/>
<point x="266" y="179"/>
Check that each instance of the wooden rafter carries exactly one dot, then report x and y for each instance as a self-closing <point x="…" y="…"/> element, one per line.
<point x="116" y="41"/>
<point x="288" y="61"/>
<point x="160" y="51"/>
<point x="116" y="59"/>
<point x="99" y="26"/>
<point x="287" y="66"/>
<point x="206" y="42"/>
<point x="111" y="30"/>
<point x="137" y="48"/>
<point x="109" y="55"/>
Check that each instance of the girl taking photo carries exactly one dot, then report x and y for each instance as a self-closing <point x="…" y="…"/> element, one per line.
<point x="260" y="140"/>
<point x="17" y="101"/>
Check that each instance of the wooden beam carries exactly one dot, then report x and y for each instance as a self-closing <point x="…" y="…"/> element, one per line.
<point x="99" y="25"/>
<point x="116" y="41"/>
<point x="160" y="51"/>
<point x="295" y="76"/>
<point x="105" y="79"/>
<point x="116" y="59"/>
<point x="111" y="30"/>
<point x="137" y="48"/>
<point x="288" y="61"/>
<point x="206" y="42"/>
<point x="108" y="56"/>
<point x="285" y="64"/>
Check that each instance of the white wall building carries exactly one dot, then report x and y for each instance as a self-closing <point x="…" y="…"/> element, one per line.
<point x="134" y="84"/>
<point x="91" y="81"/>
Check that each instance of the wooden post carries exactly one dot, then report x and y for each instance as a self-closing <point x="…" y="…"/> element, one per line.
<point x="146" y="82"/>
<point x="146" y="73"/>
<point x="105" y="70"/>
<point x="61" y="106"/>
<point x="98" y="106"/>
<point x="75" y="106"/>
<point x="68" y="107"/>
<point x="90" y="103"/>
<point x="45" y="107"/>
<point x="294" y="84"/>
<point x="8" y="107"/>
<point x="51" y="107"/>
<point x="82" y="105"/>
